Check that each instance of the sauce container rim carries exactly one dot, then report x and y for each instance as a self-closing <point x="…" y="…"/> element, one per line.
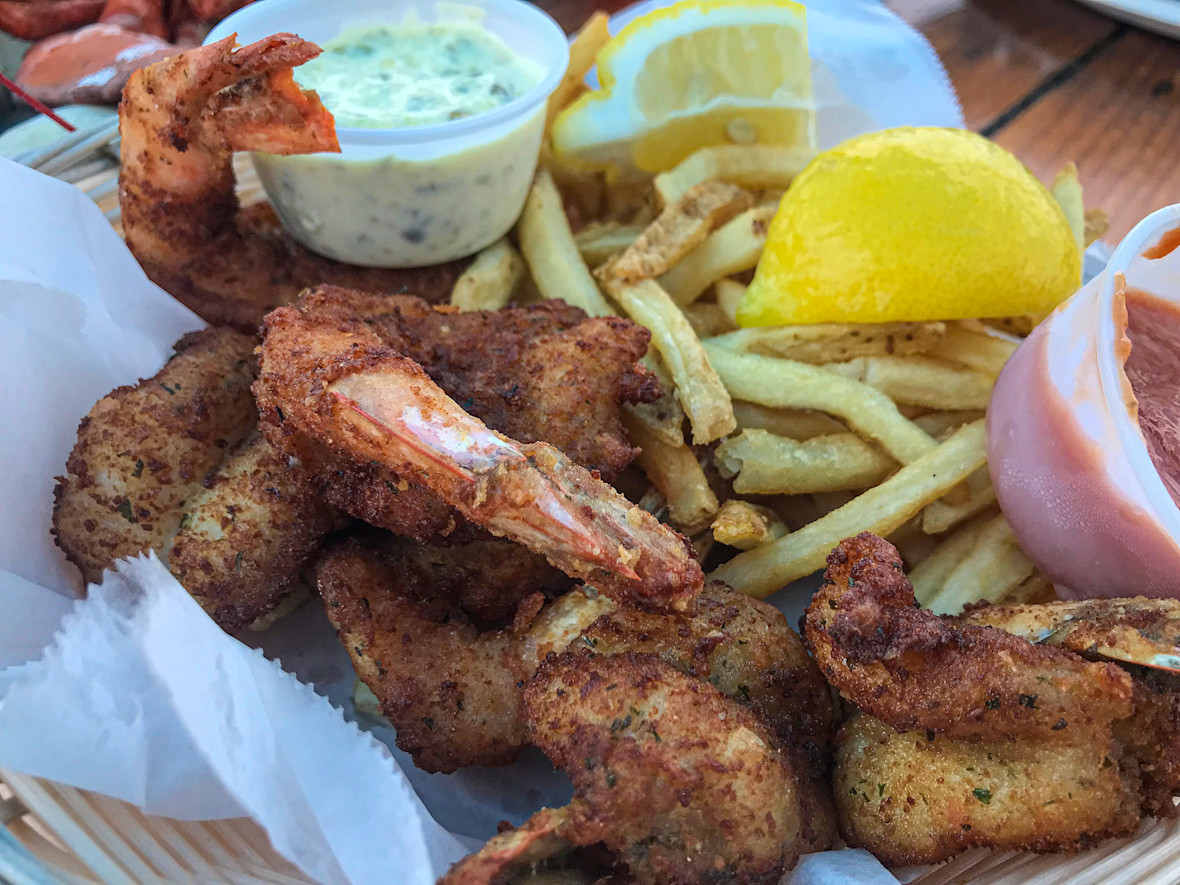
<point x="1111" y="373"/>
<point x="543" y="24"/>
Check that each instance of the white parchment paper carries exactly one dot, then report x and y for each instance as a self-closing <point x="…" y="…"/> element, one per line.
<point x="134" y="692"/>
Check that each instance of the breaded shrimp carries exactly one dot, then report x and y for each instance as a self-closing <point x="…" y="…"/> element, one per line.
<point x="174" y="464"/>
<point x="414" y="644"/>
<point x="675" y="781"/>
<point x="144" y="449"/>
<point x="181" y="120"/>
<point x="915" y="671"/>
<point x="339" y="386"/>
<point x="918" y="797"/>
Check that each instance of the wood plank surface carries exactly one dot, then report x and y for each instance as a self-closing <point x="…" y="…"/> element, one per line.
<point x="1119" y="120"/>
<point x="998" y="51"/>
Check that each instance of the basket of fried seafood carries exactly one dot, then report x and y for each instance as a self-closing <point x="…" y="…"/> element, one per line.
<point x="686" y="492"/>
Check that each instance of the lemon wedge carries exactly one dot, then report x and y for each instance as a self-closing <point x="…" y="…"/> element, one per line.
<point x="700" y="73"/>
<point x="913" y="224"/>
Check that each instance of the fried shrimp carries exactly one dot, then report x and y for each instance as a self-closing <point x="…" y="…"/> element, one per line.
<point x="919" y="797"/>
<point x="337" y="385"/>
<point x="543" y="373"/>
<point x="174" y="464"/>
<point x="916" y="671"/>
<point x="661" y="793"/>
<point x="181" y="120"/>
<point x="978" y="737"/>
<point x="402" y="612"/>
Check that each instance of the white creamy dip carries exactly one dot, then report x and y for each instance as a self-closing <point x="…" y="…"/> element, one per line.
<point x="387" y="76"/>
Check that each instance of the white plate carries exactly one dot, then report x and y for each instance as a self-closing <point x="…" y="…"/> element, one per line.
<point x="1161" y="16"/>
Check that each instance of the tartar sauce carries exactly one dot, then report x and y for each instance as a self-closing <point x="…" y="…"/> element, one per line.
<point x="391" y="76"/>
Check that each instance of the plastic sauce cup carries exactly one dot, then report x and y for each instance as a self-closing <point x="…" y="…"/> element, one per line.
<point x="1068" y="461"/>
<point x="413" y="196"/>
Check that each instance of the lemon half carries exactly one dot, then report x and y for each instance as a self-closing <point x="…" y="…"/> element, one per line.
<point x="700" y="73"/>
<point x="913" y="224"/>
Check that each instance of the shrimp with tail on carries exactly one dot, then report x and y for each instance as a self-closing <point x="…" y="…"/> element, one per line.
<point x="181" y="120"/>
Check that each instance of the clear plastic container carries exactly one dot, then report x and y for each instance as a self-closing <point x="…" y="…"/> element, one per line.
<point x="1068" y="461"/>
<point x="410" y="197"/>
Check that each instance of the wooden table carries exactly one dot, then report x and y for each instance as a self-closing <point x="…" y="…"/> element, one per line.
<point x="1052" y="81"/>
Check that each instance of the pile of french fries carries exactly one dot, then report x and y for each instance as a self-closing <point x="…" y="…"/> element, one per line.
<point x="814" y="432"/>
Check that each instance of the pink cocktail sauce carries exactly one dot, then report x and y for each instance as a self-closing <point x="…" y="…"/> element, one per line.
<point x="1069" y="470"/>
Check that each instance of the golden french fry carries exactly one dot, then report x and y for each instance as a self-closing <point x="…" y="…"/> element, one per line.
<point x="745" y="526"/>
<point x="943" y="515"/>
<point x="701" y="393"/>
<point x="707" y="319"/>
<point x="755" y="167"/>
<point x="919" y="381"/>
<point x="979" y="350"/>
<point x="582" y="189"/>
<point x="664" y="417"/>
<point x="587" y="43"/>
<point x="681" y="227"/>
<point x="601" y="240"/>
<point x="1067" y="191"/>
<point x="994" y="568"/>
<point x="548" y="247"/>
<point x="787" y="384"/>
<point x="1019" y="326"/>
<point x="491" y="280"/>
<point x="676" y="472"/>
<point x="930" y="575"/>
<point x="940" y="424"/>
<point x="732" y="248"/>
<point x="765" y="464"/>
<point x="912" y="543"/>
<point x="799" y="424"/>
<point x="729" y="295"/>
<point x="1034" y="589"/>
<point x="834" y="342"/>
<point x="882" y="510"/>
<point x="1096" y="225"/>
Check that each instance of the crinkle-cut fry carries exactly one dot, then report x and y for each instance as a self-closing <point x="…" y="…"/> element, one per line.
<point x="929" y="576"/>
<point x="678" y="229"/>
<point x="675" y="471"/>
<point x="664" y="417"/>
<point x="732" y="248"/>
<point x="491" y="280"/>
<point x="587" y="43"/>
<point x="707" y="319"/>
<point x="881" y="510"/>
<point x="919" y="381"/>
<point x="745" y="526"/>
<point x="756" y="167"/>
<point x="699" y="389"/>
<point x="798" y="424"/>
<point x="601" y="240"/>
<point x="1096" y="226"/>
<point x="993" y="568"/>
<point x="978" y="349"/>
<point x="945" y="514"/>
<point x="835" y="342"/>
<point x="787" y="384"/>
<point x="941" y="424"/>
<point x="765" y="464"/>
<point x="548" y="247"/>
<point x="729" y="295"/>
